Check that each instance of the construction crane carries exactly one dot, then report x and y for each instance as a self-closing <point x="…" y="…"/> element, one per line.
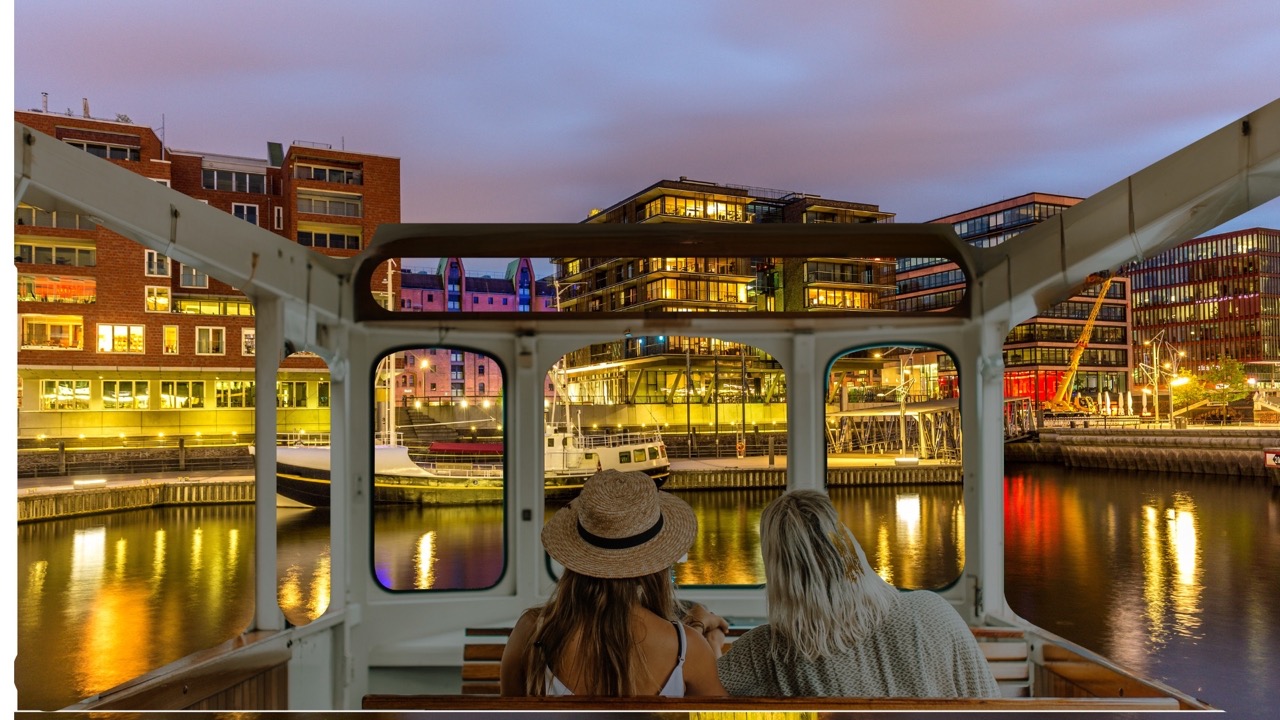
<point x="1061" y="400"/>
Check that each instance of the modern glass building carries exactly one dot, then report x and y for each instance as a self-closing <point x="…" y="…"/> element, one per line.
<point x="1037" y="352"/>
<point x="1215" y="296"/>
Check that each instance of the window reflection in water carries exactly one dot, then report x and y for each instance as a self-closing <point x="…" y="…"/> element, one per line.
<point x="424" y="562"/>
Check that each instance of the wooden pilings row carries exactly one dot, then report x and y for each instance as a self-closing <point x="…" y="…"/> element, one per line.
<point x="34" y="506"/>
<point x="721" y="479"/>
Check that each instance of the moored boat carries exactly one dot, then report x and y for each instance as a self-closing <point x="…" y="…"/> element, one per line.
<point x="471" y="473"/>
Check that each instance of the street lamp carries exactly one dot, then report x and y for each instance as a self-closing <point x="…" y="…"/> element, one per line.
<point x="1156" y="343"/>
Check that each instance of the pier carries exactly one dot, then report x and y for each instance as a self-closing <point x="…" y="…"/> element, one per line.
<point x="1235" y="452"/>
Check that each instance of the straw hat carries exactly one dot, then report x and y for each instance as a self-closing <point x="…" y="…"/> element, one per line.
<point x="620" y="526"/>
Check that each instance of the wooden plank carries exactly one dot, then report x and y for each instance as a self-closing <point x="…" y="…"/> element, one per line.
<point x="481" y="702"/>
<point x="472" y="652"/>
<point x="1009" y="670"/>
<point x="481" y="671"/>
<point x="1008" y="650"/>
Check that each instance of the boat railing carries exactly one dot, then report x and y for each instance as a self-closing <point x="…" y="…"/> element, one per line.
<point x="302" y="439"/>
<point x="463" y="470"/>
<point x="620" y="439"/>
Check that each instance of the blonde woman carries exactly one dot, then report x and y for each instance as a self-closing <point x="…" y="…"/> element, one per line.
<point x="611" y="626"/>
<point x="837" y="629"/>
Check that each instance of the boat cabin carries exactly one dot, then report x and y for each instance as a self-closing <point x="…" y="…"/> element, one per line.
<point x="437" y="642"/>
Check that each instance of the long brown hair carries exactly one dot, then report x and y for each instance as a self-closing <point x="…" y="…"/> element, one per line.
<point x="596" y="612"/>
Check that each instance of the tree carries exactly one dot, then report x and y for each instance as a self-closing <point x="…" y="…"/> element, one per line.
<point x="1225" y="381"/>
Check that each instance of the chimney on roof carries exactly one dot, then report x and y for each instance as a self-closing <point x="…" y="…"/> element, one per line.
<point x="85" y="101"/>
<point x="44" y="102"/>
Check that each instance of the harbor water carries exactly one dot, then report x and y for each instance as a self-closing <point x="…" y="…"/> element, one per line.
<point x="1173" y="576"/>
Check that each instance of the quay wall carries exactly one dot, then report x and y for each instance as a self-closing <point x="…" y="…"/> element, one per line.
<point x="1236" y="452"/>
<point x="33" y="506"/>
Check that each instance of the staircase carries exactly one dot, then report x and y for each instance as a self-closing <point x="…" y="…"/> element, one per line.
<point x="420" y="430"/>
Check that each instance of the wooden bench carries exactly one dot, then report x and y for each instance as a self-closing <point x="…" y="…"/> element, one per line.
<point x="1006" y="651"/>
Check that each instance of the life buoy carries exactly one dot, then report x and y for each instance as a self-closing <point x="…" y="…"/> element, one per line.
<point x="741" y="447"/>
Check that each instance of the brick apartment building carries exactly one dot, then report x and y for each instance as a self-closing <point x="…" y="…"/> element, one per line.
<point x="118" y="341"/>
<point x="434" y="376"/>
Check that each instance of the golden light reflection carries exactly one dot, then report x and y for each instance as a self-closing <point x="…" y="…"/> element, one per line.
<point x="88" y="555"/>
<point x="197" y="552"/>
<point x="1185" y="546"/>
<point x="108" y="653"/>
<point x="233" y="549"/>
<point x="424" y="561"/>
<point x="1152" y="572"/>
<point x="882" y="553"/>
<point x="320" y="587"/>
<point x="157" y="556"/>
<point x="289" y="593"/>
<point x="121" y="561"/>
<point x="37" y="572"/>
<point x="909" y="538"/>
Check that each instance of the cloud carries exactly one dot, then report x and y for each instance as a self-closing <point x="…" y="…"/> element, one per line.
<point x="532" y="112"/>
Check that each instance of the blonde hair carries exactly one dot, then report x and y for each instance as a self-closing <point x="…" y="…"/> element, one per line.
<point x="596" y="612"/>
<point x="822" y="593"/>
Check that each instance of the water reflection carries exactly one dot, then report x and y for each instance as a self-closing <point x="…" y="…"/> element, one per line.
<point x="1175" y="577"/>
<point x="1172" y="576"/>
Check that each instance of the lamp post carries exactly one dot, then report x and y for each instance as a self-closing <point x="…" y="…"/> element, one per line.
<point x="1156" y="343"/>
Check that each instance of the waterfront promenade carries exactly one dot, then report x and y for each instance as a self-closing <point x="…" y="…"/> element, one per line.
<point x="47" y="498"/>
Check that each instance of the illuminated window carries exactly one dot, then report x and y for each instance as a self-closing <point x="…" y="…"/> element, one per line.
<point x="181" y="394"/>
<point x="64" y="395"/>
<point x="52" y="332"/>
<point x="234" y="393"/>
<point x="170" y="339"/>
<point x="248" y="341"/>
<point x="322" y="393"/>
<point x="291" y="394"/>
<point x="121" y="338"/>
<point x="125" y="395"/>
<point x="205" y="305"/>
<point x="59" y="289"/>
<point x="211" y="341"/>
<point x="157" y="299"/>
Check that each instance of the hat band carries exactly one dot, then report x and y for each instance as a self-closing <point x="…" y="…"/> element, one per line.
<point x="621" y="543"/>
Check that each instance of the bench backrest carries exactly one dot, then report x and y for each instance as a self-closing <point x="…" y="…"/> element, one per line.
<point x="1006" y="651"/>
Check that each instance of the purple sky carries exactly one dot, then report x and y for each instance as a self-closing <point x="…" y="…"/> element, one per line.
<point x="541" y="111"/>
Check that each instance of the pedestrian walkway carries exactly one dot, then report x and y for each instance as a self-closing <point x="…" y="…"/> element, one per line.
<point x="63" y="483"/>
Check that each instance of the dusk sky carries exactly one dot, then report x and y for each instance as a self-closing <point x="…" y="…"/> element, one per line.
<point x="538" y="112"/>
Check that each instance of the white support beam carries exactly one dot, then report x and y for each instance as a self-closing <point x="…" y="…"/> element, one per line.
<point x="1180" y="197"/>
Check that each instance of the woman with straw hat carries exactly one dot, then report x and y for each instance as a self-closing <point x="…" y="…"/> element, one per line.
<point x="610" y="627"/>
